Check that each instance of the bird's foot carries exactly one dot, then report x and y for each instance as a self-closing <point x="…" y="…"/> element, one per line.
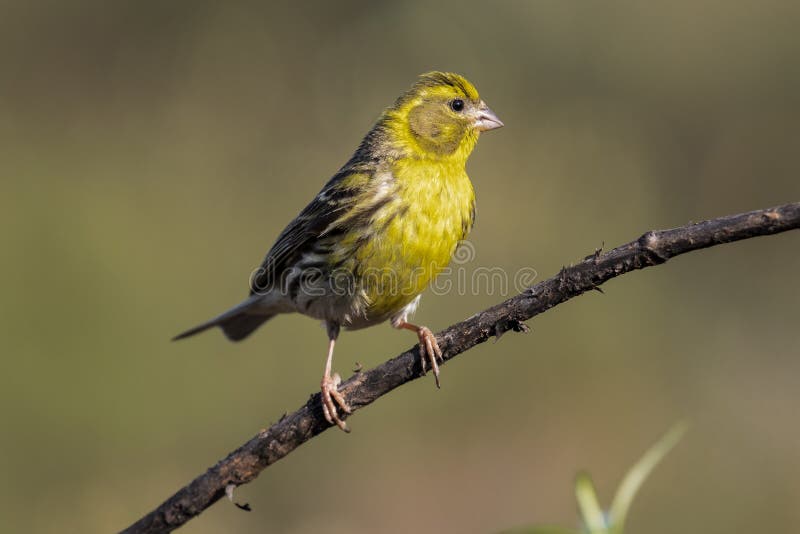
<point x="330" y="398"/>
<point x="429" y="349"/>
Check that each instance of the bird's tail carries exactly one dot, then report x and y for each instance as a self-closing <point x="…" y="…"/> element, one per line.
<point x="236" y="323"/>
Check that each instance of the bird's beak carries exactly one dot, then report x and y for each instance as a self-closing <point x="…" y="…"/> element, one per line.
<point x="486" y="119"/>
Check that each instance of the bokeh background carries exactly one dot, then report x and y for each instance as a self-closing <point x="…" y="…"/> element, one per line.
<point x="152" y="151"/>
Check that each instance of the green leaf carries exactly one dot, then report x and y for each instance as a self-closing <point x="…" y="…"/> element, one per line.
<point x="588" y="505"/>
<point x="638" y="473"/>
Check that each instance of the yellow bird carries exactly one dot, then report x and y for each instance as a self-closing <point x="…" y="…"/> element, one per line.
<point x="379" y="231"/>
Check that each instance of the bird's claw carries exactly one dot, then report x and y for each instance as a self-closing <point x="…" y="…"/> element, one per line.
<point x="330" y="398"/>
<point x="430" y="351"/>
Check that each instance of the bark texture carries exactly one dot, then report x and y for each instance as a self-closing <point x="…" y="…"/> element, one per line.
<point x="268" y="446"/>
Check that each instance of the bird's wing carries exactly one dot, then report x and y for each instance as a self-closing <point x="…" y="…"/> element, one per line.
<point x="340" y="200"/>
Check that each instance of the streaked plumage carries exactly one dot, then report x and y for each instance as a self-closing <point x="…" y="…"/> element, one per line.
<point x="380" y="230"/>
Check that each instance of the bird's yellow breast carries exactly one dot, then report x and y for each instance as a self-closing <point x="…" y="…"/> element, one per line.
<point x="415" y="233"/>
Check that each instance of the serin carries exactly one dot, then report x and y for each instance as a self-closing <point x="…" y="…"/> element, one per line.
<point x="379" y="231"/>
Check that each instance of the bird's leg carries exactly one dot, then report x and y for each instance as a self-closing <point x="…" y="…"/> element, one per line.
<point x="428" y="346"/>
<point x="330" y="386"/>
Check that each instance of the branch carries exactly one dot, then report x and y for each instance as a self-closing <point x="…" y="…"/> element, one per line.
<point x="653" y="248"/>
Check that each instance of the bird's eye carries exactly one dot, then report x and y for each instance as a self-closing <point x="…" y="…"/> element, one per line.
<point x="457" y="105"/>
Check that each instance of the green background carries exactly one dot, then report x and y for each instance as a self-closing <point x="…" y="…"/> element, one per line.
<point x="152" y="151"/>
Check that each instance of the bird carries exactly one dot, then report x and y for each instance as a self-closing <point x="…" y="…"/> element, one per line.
<point x="380" y="230"/>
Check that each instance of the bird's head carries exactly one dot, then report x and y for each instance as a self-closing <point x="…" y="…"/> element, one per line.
<point x="441" y="116"/>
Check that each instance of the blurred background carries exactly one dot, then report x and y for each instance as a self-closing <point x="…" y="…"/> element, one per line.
<point x="152" y="151"/>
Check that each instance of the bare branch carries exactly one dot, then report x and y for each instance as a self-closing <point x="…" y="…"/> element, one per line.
<point x="653" y="248"/>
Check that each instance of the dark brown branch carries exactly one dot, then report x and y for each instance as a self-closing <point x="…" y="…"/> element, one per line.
<point x="245" y="463"/>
